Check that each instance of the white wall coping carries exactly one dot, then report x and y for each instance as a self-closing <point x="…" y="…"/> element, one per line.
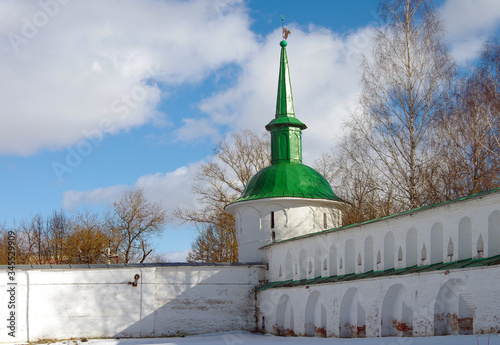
<point x="134" y="265"/>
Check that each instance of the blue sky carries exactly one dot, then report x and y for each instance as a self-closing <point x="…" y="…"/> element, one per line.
<point x="98" y="97"/>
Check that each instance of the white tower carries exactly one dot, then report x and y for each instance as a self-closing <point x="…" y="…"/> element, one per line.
<point x="287" y="199"/>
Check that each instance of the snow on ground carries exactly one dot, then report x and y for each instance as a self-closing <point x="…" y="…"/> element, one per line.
<point x="245" y="338"/>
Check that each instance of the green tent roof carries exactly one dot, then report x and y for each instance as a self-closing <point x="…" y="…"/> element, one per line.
<point x="288" y="180"/>
<point x="287" y="176"/>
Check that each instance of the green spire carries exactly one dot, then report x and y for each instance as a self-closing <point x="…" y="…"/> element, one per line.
<point x="287" y="176"/>
<point x="286" y="130"/>
<point x="284" y="103"/>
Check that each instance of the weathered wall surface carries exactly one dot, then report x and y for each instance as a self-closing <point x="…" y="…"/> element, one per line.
<point x="463" y="301"/>
<point x="99" y="302"/>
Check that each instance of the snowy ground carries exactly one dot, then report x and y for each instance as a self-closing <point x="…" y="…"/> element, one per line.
<point x="244" y="338"/>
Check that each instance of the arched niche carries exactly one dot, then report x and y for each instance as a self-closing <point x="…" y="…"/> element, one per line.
<point x="284" y="324"/>
<point x="465" y="239"/>
<point x="411" y="247"/>
<point x="350" y="257"/>
<point x="454" y="309"/>
<point x="303" y="264"/>
<point x="301" y="219"/>
<point x="388" y="251"/>
<point x="250" y="222"/>
<point x="332" y="260"/>
<point x="368" y="254"/>
<point x="436" y="243"/>
<point x="397" y="312"/>
<point x="315" y="316"/>
<point x="288" y="266"/>
<point x="318" y="255"/>
<point x="352" y="315"/>
<point x="494" y="234"/>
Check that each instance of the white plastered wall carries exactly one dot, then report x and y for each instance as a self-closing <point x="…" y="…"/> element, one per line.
<point x="390" y="243"/>
<point x="63" y="303"/>
<point x="433" y="303"/>
<point x="293" y="217"/>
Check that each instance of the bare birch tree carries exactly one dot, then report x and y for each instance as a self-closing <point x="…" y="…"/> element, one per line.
<point x="355" y="180"/>
<point x="470" y="164"/>
<point x="404" y="85"/>
<point x="470" y="130"/>
<point x="488" y="72"/>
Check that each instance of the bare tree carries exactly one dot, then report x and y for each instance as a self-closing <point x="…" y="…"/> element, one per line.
<point x="133" y="223"/>
<point x="404" y="86"/>
<point x="469" y="130"/>
<point x="214" y="242"/>
<point x="87" y="239"/>
<point x="57" y="225"/>
<point x="488" y="72"/>
<point x="157" y="258"/>
<point x="355" y="179"/>
<point x="5" y="248"/>
<point x="21" y="244"/>
<point x="470" y="163"/>
<point x="236" y="160"/>
<point x="33" y="234"/>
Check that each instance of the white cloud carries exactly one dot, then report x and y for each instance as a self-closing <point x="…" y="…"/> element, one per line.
<point x="468" y="24"/>
<point x="105" y="196"/>
<point x="172" y="189"/>
<point x="66" y="65"/>
<point x="176" y="256"/>
<point x="196" y="128"/>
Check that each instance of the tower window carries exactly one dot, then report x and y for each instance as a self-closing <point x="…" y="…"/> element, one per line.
<point x="272" y="220"/>
<point x="273" y="236"/>
<point x="325" y="221"/>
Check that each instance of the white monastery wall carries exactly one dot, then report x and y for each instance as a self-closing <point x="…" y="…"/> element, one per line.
<point x="461" y="301"/>
<point x="65" y="303"/>
<point x="445" y="233"/>
<point x="456" y="301"/>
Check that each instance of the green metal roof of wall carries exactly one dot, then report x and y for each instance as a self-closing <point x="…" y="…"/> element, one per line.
<point x="442" y="266"/>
